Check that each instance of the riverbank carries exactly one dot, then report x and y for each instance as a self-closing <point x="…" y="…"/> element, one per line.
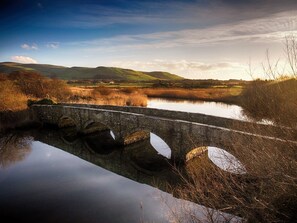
<point x="10" y="120"/>
<point x="226" y="95"/>
<point x="136" y="96"/>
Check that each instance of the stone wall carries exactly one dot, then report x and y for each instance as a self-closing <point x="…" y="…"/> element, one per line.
<point x="180" y="133"/>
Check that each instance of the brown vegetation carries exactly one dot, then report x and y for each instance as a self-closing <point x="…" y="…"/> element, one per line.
<point x="273" y="100"/>
<point x="35" y="85"/>
<point x="107" y="96"/>
<point x="267" y="192"/>
<point x="137" y="96"/>
<point x="11" y="97"/>
<point x="207" y="94"/>
<point x="19" y="86"/>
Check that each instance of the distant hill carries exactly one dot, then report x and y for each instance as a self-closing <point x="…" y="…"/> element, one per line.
<point x="99" y="73"/>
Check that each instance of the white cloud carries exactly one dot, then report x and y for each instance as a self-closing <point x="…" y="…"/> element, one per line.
<point x="53" y="45"/>
<point x="23" y="59"/>
<point x="29" y="47"/>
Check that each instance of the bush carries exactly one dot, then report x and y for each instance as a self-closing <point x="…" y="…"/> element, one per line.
<point x="44" y="101"/>
<point x="11" y="97"/>
<point x="274" y="100"/>
<point x="35" y="85"/>
<point x="30" y="83"/>
<point x="103" y="90"/>
<point x="58" y="89"/>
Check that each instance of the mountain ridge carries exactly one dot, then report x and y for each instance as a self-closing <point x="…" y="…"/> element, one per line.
<point x="98" y="73"/>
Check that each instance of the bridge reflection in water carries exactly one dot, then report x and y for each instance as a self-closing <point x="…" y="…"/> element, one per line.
<point x="138" y="161"/>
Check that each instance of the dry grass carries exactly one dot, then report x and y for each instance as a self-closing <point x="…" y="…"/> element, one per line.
<point x="268" y="190"/>
<point x="213" y="94"/>
<point x="107" y="96"/>
<point x="274" y="100"/>
<point x="11" y="98"/>
<point x="266" y="193"/>
<point x="137" y="96"/>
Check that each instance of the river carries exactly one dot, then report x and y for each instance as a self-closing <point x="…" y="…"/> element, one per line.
<point x="50" y="175"/>
<point x="204" y="107"/>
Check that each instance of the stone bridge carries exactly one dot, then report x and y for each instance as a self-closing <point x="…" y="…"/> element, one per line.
<point x="182" y="131"/>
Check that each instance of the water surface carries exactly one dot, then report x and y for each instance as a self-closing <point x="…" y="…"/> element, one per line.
<point x="57" y="176"/>
<point x="47" y="176"/>
<point x="204" y="107"/>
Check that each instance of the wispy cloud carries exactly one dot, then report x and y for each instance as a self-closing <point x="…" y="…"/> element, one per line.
<point x="175" y="13"/>
<point x="53" y="45"/>
<point x="23" y="59"/>
<point x="29" y="47"/>
<point x="270" y="29"/>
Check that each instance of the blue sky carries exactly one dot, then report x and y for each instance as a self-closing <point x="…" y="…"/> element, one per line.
<point x="193" y="38"/>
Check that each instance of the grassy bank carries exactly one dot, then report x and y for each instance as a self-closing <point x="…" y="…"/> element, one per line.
<point x="208" y="90"/>
<point x="228" y="95"/>
<point x="104" y="94"/>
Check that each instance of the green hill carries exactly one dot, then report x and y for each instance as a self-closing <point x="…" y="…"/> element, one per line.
<point x="99" y="73"/>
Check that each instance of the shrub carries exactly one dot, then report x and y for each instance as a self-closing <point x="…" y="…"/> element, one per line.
<point x="44" y="101"/>
<point x="274" y="100"/>
<point x="30" y="83"/>
<point x="11" y="98"/>
<point x="103" y="90"/>
<point x="58" y="89"/>
<point x="34" y="85"/>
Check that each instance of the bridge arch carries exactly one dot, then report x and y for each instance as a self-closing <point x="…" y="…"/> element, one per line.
<point x="217" y="156"/>
<point x="67" y="121"/>
<point x="92" y="126"/>
<point x="69" y="140"/>
<point x="101" y="148"/>
<point x="157" y="140"/>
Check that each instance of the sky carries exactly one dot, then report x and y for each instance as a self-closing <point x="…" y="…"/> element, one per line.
<point x="196" y="39"/>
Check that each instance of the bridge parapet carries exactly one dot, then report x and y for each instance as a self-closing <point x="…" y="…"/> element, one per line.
<point x="241" y="125"/>
<point x="181" y="135"/>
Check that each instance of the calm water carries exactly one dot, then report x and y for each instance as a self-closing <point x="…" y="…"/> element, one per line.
<point x="49" y="176"/>
<point x="42" y="183"/>
<point x="204" y="107"/>
<point x="55" y="176"/>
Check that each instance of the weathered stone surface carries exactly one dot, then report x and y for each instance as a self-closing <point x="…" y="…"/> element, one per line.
<point x="181" y="131"/>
